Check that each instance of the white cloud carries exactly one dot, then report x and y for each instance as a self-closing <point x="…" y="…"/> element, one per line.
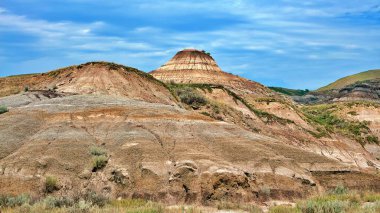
<point x="66" y="35"/>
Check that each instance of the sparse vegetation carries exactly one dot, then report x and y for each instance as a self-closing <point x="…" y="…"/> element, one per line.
<point x="328" y="122"/>
<point x="223" y="205"/>
<point x="97" y="151"/>
<point x="187" y="94"/>
<point x="3" y="109"/>
<point x="99" y="162"/>
<point x="207" y="53"/>
<point x="290" y="92"/>
<point x="284" y="209"/>
<point x="10" y="201"/>
<point x="51" y="184"/>
<point x="99" y="159"/>
<point x="339" y="200"/>
<point x="265" y="116"/>
<point x="26" y="89"/>
<point x="339" y="190"/>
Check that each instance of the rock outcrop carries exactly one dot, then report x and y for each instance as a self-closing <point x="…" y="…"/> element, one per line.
<point x="359" y="91"/>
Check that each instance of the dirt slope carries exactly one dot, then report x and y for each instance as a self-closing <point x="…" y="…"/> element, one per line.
<point x="153" y="151"/>
<point x="256" y="108"/>
<point x="92" y="78"/>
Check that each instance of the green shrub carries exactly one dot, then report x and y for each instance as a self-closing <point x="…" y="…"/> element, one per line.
<point x="291" y="92"/>
<point x="3" y="109"/>
<point x="96" y="199"/>
<point x="26" y="89"/>
<point x="99" y="162"/>
<point x="372" y="139"/>
<point x="340" y="190"/>
<point x="51" y="184"/>
<point x="324" y="116"/>
<point x="97" y="151"/>
<point x="330" y="206"/>
<point x="9" y="201"/>
<point x="58" y="202"/>
<point x="191" y="97"/>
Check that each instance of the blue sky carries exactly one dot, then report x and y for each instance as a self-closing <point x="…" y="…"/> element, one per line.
<point x="289" y="43"/>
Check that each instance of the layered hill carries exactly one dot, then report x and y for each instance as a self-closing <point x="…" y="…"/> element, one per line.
<point x="191" y="66"/>
<point x="91" y="78"/>
<point x="116" y="131"/>
<point x="252" y="106"/>
<point x="343" y="82"/>
<point x="368" y="90"/>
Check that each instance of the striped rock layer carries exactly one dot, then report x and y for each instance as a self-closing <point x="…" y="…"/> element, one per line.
<point x="192" y="66"/>
<point x="190" y="59"/>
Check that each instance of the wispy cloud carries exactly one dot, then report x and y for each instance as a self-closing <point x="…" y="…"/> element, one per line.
<point x="259" y="39"/>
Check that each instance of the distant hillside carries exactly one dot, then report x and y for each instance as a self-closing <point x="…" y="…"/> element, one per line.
<point x="340" y="83"/>
<point x="291" y="92"/>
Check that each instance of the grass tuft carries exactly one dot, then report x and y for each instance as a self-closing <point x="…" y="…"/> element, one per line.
<point x="99" y="162"/>
<point x="3" y="109"/>
<point x="51" y="184"/>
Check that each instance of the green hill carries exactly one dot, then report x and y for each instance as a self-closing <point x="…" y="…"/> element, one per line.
<point x="291" y="92"/>
<point x="340" y="83"/>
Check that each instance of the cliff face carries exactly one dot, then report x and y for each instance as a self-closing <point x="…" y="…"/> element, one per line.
<point x="365" y="90"/>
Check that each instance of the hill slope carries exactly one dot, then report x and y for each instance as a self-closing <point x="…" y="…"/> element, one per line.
<point x="340" y="83"/>
<point x="290" y="92"/>
<point x="118" y="132"/>
<point x="92" y="78"/>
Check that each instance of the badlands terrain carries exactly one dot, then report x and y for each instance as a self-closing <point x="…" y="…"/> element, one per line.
<point x="186" y="133"/>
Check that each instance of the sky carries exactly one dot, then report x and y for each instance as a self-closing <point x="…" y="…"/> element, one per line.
<point x="289" y="43"/>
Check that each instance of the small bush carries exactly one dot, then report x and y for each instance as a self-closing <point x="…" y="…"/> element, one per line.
<point x="340" y="190"/>
<point x="8" y="201"/>
<point x="3" y="109"/>
<point x="51" y="184"/>
<point x="352" y="113"/>
<point x="26" y="89"/>
<point x="97" y="151"/>
<point x="372" y="139"/>
<point x="191" y="97"/>
<point x="96" y="199"/>
<point x="265" y="191"/>
<point x="58" y="202"/>
<point x="99" y="162"/>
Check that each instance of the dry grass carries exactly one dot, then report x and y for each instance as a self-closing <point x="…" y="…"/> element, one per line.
<point x="339" y="200"/>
